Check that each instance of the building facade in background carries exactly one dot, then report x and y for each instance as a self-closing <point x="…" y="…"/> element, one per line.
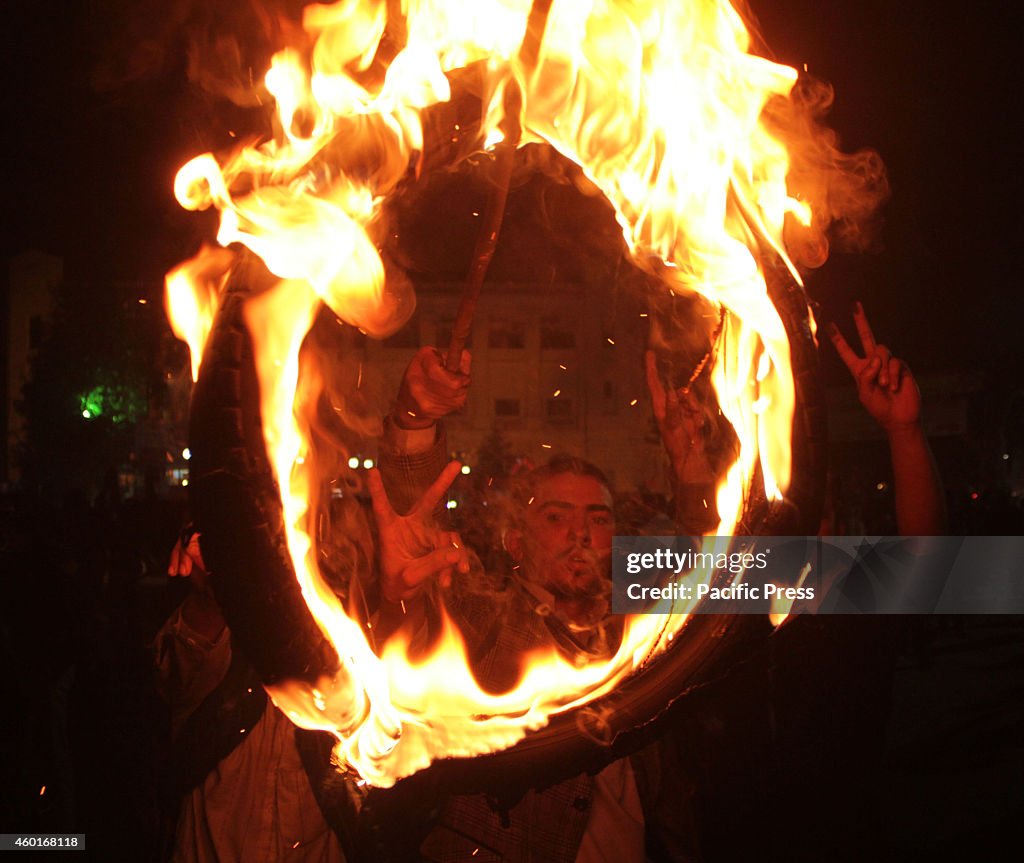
<point x="552" y="373"/>
<point x="29" y="301"/>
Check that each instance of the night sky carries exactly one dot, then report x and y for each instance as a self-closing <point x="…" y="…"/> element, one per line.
<point x="101" y="115"/>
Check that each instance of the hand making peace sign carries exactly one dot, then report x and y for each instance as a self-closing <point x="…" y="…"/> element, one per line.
<point x="412" y="548"/>
<point x="680" y="421"/>
<point x="885" y="385"/>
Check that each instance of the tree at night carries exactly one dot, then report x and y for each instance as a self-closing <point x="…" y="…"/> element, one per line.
<point x="93" y="376"/>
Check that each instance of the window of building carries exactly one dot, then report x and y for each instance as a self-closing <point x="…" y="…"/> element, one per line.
<point x="611" y="403"/>
<point x="559" y="410"/>
<point x="506" y="335"/>
<point x="177" y="476"/>
<point x="556" y="336"/>
<point x="35" y="332"/>
<point x="506" y="407"/>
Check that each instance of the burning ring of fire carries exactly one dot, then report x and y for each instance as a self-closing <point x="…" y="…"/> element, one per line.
<point x="714" y="165"/>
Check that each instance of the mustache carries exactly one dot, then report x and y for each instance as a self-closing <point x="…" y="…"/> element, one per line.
<point x="585" y="552"/>
<point x="594" y="581"/>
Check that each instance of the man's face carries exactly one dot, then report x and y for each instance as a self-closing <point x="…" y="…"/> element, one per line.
<point x="568" y="536"/>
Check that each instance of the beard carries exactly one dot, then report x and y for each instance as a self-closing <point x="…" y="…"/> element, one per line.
<point x="576" y="573"/>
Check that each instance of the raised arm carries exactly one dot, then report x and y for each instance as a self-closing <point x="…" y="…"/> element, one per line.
<point x="681" y="423"/>
<point x="412" y="450"/>
<point x="889" y="393"/>
<point x="192" y="651"/>
<point x="199" y="610"/>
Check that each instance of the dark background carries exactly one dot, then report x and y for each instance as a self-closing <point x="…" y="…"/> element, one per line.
<point x="100" y="114"/>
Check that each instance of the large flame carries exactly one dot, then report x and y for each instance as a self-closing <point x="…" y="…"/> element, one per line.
<point x="663" y="106"/>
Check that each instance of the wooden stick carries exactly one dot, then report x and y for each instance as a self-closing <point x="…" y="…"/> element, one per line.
<point x="504" y="159"/>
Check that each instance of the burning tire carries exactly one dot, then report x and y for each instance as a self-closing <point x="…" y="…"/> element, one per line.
<point x="238" y="510"/>
<point x="710" y="212"/>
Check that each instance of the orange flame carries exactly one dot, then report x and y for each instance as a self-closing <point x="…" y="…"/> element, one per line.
<point x="664" y="107"/>
<point x="193" y="290"/>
